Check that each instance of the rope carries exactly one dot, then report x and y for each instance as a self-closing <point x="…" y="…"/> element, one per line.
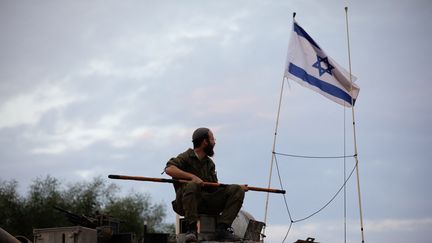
<point x="284" y="197"/>
<point x="292" y="221"/>
<point x="315" y="157"/>
<point x="330" y="201"/>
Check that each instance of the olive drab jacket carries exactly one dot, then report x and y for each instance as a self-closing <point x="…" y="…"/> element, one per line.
<point x="188" y="161"/>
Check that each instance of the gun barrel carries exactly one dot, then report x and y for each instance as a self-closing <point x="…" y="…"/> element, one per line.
<point x="210" y="184"/>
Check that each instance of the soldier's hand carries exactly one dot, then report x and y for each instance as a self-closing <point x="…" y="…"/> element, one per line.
<point x="197" y="180"/>
<point x="245" y="187"/>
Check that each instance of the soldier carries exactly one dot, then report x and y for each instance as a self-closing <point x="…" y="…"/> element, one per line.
<point x="196" y="166"/>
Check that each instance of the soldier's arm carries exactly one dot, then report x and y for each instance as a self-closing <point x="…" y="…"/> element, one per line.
<point x="177" y="173"/>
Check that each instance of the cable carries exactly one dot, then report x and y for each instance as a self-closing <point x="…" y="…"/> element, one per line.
<point x="314" y="213"/>
<point x="330" y="201"/>
<point x="315" y="157"/>
<point x="284" y="197"/>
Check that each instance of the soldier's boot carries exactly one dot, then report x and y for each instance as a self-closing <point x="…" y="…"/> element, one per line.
<point x="224" y="234"/>
<point x="191" y="233"/>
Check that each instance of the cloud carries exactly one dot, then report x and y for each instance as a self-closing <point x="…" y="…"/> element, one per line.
<point x="71" y="136"/>
<point x="146" y="67"/>
<point x="141" y="55"/>
<point x="75" y="135"/>
<point x="28" y="108"/>
<point x="223" y="29"/>
<point x="401" y="225"/>
<point x="375" y="231"/>
<point x="227" y="101"/>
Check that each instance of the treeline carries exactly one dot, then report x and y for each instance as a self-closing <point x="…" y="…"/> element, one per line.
<point x="20" y="214"/>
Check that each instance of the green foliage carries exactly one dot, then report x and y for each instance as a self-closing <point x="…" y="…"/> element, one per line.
<point x="136" y="210"/>
<point x="11" y="206"/>
<point x="20" y="215"/>
<point x="88" y="197"/>
<point x="39" y="205"/>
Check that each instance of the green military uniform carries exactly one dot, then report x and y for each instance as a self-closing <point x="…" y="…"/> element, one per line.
<point x="192" y="199"/>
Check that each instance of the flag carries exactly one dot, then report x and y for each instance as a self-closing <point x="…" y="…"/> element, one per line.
<point x="309" y="65"/>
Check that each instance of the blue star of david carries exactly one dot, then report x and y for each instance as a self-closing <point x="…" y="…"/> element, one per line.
<point x="327" y="66"/>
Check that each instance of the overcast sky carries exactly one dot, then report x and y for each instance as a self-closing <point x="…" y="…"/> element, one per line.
<point x="91" y="88"/>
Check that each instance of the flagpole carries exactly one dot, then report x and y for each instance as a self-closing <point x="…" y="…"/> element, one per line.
<point x="354" y="131"/>
<point x="273" y="150"/>
<point x="274" y="146"/>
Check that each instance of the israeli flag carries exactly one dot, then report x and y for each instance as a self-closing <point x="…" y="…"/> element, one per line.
<point x="309" y="65"/>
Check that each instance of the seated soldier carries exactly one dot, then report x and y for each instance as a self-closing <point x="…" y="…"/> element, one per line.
<point x="192" y="198"/>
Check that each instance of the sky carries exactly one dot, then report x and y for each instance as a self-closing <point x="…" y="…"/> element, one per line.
<point x="91" y="88"/>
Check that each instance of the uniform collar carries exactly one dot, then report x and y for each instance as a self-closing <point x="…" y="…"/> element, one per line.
<point x="194" y="154"/>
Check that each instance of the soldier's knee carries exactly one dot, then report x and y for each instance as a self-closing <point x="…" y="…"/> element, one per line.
<point x="237" y="191"/>
<point x="191" y="187"/>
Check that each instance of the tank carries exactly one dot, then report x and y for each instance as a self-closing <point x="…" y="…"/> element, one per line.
<point x="244" y="226"/>
<point x="75" y="234"/>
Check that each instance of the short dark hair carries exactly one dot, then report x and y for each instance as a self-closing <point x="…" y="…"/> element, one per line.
<point x="199" y="136"/>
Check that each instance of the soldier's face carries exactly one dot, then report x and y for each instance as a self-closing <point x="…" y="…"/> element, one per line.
<point x="211" y="142"/>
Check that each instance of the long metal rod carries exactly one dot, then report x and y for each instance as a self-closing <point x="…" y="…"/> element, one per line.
<point x="354" y="131"/>
<point x="206" y="184"/>
<point x="274" y="147"/>
<point x="273" y="151"/>
<point x="344" y="174"/>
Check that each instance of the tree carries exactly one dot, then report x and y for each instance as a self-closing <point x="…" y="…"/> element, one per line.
<point x="44" y="194"/>
<point x="11" y="206"/>
<point x="135" y="211"/>
<point x="88" y="197"/>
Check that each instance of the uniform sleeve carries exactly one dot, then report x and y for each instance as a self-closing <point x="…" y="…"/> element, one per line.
<point x="178" y="162"/>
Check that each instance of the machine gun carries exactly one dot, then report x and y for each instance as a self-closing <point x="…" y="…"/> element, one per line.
<point x="76" y="219"/>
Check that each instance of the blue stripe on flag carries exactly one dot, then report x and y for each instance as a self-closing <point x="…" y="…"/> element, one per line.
<point x="301" y="32"/>
<point x="324" y="86"/>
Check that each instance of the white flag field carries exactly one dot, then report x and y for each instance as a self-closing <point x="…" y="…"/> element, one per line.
<point x="309" y="65"/>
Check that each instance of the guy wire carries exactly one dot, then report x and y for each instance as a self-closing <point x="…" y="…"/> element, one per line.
<point x="315" y="157"/>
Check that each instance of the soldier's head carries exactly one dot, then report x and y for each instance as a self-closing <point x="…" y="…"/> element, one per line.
<point x="203" y="138"/>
